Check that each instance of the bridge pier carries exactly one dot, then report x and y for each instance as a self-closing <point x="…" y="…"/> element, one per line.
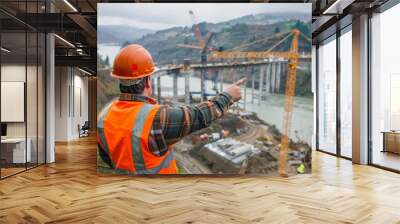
<point x="175" y="87"/>
<point x="273" y="76"/>
<point x="267" y="74"/>
<point x="278" y="76"/>
<point x="261" y="84"/>
<point x="153" y="87"/>
<point x="221" y="79"/>
<point x="187" y="88"/>
<point x="215" y="80"/>
<point x="159" y="89"/>
<point x="252" y="85"/>
<point x="202" y="84"/>
<point x="284" y="75"/>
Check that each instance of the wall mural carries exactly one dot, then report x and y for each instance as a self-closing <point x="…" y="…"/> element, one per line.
<point x="204" y="88"/>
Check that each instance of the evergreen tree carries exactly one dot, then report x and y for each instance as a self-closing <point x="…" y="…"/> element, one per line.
<point x="107" y="61"/>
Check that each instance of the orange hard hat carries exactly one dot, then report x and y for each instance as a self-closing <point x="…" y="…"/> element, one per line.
<point x="133" y="62"/>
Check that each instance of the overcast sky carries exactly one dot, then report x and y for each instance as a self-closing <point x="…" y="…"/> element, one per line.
<point x="166" y="15"/>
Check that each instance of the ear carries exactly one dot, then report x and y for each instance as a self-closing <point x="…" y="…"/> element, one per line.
<point x="147" y="82"/>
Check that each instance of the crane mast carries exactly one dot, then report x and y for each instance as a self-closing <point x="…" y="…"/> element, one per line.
<point x="288" y="109"/>
<point x="197" y="29"/>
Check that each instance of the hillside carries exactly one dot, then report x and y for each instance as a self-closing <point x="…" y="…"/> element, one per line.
<point x="227" y="35"/>
<point x="107" y="87"/>
<point x="270" y="18"/>
<point x="111" y="34"/>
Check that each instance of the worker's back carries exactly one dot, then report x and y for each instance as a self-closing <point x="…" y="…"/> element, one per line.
<point x="126" y="126"/>
<point x="123" y="131"/>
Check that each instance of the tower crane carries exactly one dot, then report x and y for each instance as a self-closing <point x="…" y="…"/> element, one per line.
<point x="196" y="29"/>
<point x="288" y="109"/>
<point x="293" y="56"/>
<point x="202" y="43"/>
<point x="202" y="46"/>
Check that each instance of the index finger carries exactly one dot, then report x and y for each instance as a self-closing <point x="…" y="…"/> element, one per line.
<point x="240" y="82"/>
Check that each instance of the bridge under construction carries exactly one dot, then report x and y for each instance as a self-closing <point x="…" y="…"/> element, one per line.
<point x="263" y="77"/>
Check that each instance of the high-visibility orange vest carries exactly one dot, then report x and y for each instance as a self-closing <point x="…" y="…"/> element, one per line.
<point x="123" y="131"/>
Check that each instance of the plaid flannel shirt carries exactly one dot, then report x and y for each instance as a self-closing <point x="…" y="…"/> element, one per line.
<point x="172" y="123"/>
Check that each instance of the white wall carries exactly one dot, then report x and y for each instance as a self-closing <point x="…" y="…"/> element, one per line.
<point x="16" y="73"/>
<point x="61" y="103"/>
<point x="71" y="94"/>
<point x="33" y="127"/>
<point x="12" y="73"/>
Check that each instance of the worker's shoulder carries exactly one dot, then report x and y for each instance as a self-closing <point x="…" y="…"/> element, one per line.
<point x="104" y="109"/>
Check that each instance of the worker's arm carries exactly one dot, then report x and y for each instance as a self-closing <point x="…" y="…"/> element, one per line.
<point x="171" y="124"/>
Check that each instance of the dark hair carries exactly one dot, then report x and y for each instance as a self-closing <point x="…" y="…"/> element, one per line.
<point x="137" y="88"/>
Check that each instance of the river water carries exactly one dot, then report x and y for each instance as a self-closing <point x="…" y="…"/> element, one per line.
<point x="269" y="110"/>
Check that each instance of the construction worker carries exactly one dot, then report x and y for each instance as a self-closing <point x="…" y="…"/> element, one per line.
<point x="135" y="134"/>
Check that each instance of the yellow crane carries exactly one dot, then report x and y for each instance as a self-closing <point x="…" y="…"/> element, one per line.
<point x="293" y="56"/>
<point x="288" y="109"/>
<point x="197" y="33"/>
<point x="202" y="42"/>
<point x="202" y="46"/>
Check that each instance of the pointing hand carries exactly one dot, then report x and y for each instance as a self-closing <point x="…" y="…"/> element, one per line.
<point x="235" y="91"/>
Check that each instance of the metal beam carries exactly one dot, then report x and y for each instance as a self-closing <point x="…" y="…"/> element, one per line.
<point x="338" y="6"/>
<point x="49" y="22"/>
<point x="78" y="61"/>
<point x="84" y="24"/>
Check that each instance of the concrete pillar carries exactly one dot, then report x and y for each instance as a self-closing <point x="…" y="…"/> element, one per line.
<point x="187" y="87"/>
<point x="360" y="90"/>
<point x="202" y="84"/>
<point x="268" y="74"/>
<point x="252" y="84"/>
<point x="64" y="101"/>
<point x="50" y="93"/>
<point x="50" y="98"/>
<point x="278" y="76"/>
<point x="159" y="89"/>
<point x="267" y="77"/>
<point x="284" y="75"/>
<point x="221" y="79"/>
<point x="215" y="79"/>
<point x="153" y="90"/>
<point x="261" y="84"/>
<point x="273" y="77"/>
<point x="175" y="87"/>
<point x="246" y="69"/>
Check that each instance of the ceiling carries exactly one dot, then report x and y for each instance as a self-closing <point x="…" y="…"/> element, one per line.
<point x="74" y="22"/>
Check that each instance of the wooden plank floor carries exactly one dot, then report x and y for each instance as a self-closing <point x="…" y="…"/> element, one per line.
<point x="70" y="191"/>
